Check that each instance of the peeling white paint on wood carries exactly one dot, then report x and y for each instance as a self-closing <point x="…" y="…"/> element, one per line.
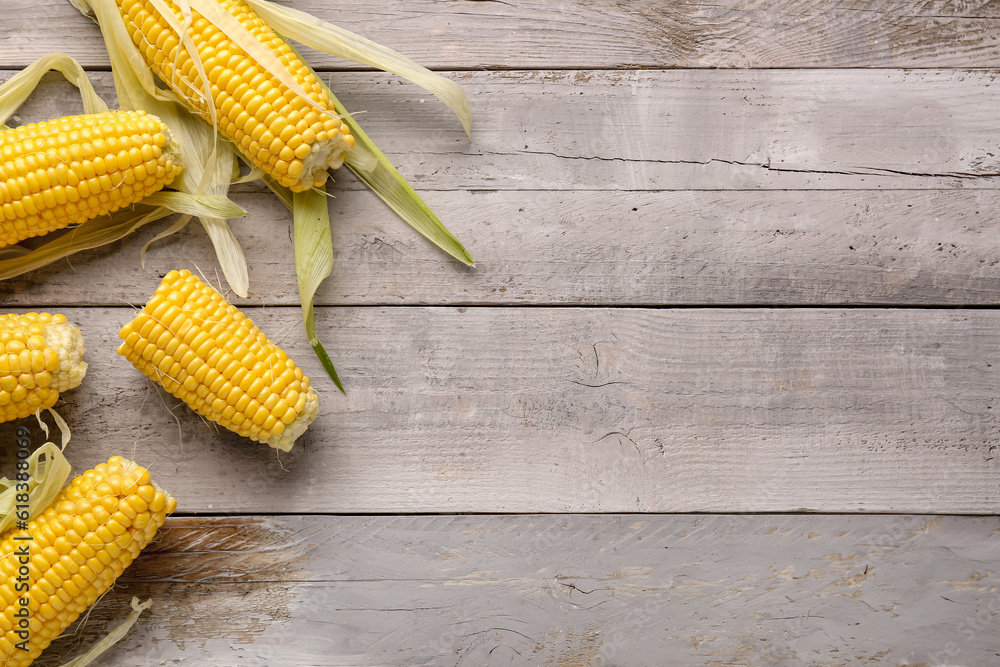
<point x="588" y="410"/>
<point x="563" y="590"/>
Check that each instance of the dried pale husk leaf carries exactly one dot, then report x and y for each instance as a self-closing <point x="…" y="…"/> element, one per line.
<point x="112" y="637"/>
<point x="47" y="472"/>
<point x="15" y="260"/>
<point x="16" y="90"/>
<point x="229" y="252"/>
<point x="91" y="234"/>
<point x="217" y="206"/>
<point x="324" y="36"/>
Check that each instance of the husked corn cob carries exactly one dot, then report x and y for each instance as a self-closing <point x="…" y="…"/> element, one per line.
<point x="211" y="356"/>
<point x="275" y="127"/>
<point x="78" y="547"/>
<point x="66" y="171"/>
<point x="40" y="355"/>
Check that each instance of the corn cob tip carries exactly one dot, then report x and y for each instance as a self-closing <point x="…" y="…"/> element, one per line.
<point x="141" y="476"/>
<point x="283" y="441"/>
<point x="207" y="353"/>
<point x="41" y="355"/>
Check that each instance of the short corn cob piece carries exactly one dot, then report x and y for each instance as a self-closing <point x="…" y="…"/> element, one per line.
<point x="40" y="356"/>
<point x="214" y="358"/>
<point x="78" y="547"/>
<point x="69" y="170"/>
<point x="273" y="126"/>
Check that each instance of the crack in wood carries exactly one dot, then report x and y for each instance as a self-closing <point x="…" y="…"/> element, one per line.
<point x="857" y="171"/>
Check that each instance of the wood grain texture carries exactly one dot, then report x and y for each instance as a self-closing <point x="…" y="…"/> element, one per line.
<point x="561" y="590"/>
<point x="562" y="34"/>
<point x="586" y="248"/>
<point x="586" y="410"/>
<point x="842" y="153"/>
<point x="677" y="129"/>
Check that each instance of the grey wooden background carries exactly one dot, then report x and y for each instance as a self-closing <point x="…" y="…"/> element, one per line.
<point x="720" y="390"/>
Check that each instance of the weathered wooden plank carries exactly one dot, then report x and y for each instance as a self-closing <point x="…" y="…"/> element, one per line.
<point x="679" y="129"/>
<point x="587" y="410"/>
<point x="607" y="34"/>
<point x="588" y="248"/>
<point x="561" y="590"/>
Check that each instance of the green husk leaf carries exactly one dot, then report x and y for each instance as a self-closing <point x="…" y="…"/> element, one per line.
<point x="203" y="205"/>
<point x="230" y="254"/>
<point x="326" y="37"/>
<point x="255" y="174"/>
<point x="390" y="186"/>
<point x="91" y="234"/>
<point x="16" y="90"/>
<point x="313" y="262"/>
<point x="47" y="472"/>
<point x="112" y="637"/>
<point x="375" y="170"/>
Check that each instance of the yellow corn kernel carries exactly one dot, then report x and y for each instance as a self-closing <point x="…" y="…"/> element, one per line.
<point x="254" y="389"/>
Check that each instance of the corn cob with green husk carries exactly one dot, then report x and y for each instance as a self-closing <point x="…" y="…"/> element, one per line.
<point x="290" y="131"/>
<point x="40" y="355"/>
<point x="72" y="553"/>
<point x="102" y="173"/>
<point x="211" y="356"/>
<point x="69" y="170"/>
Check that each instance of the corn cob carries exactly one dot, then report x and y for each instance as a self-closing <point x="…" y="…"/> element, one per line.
<point x="289" y="138"/>
<point x="40" y="356"/>
<point x="66" y="171"/>
<point x="76" y="549"/>
<point x="207" y="353"/>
